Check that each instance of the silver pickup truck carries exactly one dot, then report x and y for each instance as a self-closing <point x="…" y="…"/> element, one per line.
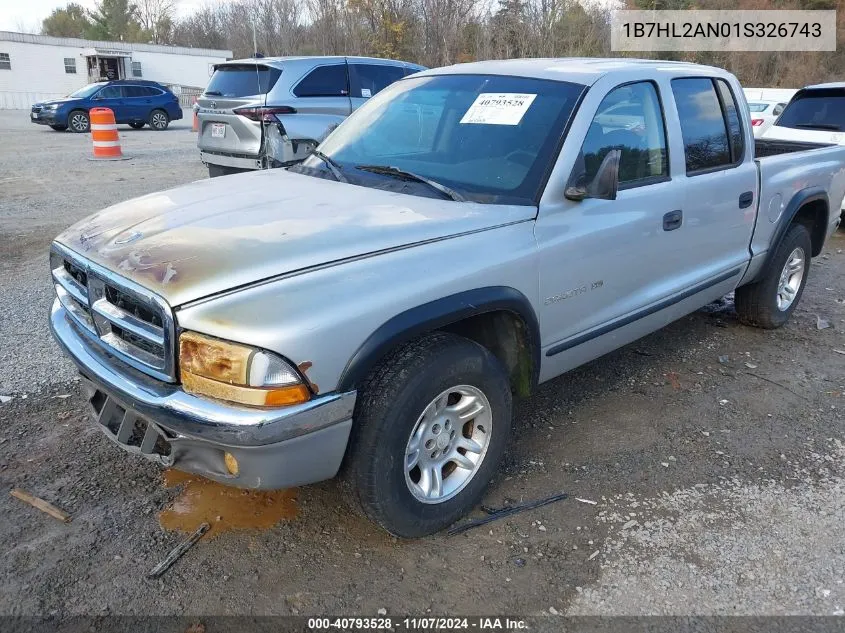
<point x="468" y="233"/>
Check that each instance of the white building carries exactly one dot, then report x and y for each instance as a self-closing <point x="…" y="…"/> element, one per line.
<point x="38" y="67"/>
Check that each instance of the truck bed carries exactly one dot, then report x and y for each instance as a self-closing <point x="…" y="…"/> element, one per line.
<point x="773" y="147"/>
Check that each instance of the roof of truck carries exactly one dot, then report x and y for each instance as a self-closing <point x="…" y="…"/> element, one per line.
<point x="580" y="70"/>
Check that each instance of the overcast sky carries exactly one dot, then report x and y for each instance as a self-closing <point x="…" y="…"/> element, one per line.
<point x="26" y="15"/>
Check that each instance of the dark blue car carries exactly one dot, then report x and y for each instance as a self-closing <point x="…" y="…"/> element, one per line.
<point x="135" y="102"/>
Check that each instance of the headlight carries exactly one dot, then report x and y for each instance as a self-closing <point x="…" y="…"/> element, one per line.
<point x="238" y="373"/>
<point x="50" y="106"/>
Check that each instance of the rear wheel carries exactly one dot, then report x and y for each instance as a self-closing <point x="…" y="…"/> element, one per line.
<point x="768" y="302"/>
<point x="136" y="125"/>
<point x="159" y="120"/>
<point x="77" y="121"/>
<point x="431" y="424"/>
<point x="59" y="128"/>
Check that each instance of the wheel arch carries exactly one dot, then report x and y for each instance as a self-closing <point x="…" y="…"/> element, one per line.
<point x="810" y="207"/>
<point x="499" y="318"/>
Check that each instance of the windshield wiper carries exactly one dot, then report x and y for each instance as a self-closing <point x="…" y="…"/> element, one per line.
<point x="331" y="164"/>
<point x="213" y="93"/>
<point x="820" y="126"/>
<point x="387" y="170"/>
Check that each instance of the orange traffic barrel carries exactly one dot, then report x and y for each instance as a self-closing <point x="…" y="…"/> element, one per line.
<point x="104" y="135"/>
<point x="196" y="126"/>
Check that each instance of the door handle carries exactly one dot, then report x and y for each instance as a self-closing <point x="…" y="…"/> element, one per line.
<point x="746" y="199"/>
<point x="673" y="220"/>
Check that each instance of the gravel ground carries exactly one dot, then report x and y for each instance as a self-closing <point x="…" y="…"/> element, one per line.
<point x="46" y="184"/>
<point x="712" y="452"/>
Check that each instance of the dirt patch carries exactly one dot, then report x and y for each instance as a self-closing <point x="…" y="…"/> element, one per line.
<point x="222" y="507"/>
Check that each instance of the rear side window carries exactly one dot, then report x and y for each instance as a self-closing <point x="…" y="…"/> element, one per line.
<point x="133" y="91"/>
<point x="731" y="112"/>
<point x="324" y="81"/>
<point x="819" y="109"/>
<point x="368" y="79"/>
<point x="242" y="80"/>
<point x="706" y="143"/>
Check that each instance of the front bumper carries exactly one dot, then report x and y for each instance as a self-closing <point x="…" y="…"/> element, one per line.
<point x="275" y="448"/>
<point x="45" y="117"/>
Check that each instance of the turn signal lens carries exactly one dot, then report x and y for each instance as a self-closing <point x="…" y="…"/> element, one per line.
<point x="238" y="373"/>
<point x="756" y="122"/>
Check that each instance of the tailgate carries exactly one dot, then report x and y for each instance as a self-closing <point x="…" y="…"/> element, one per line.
<point x="233" y="87"/>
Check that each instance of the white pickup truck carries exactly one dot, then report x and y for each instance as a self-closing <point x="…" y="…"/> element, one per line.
<point x="467" y="234"/>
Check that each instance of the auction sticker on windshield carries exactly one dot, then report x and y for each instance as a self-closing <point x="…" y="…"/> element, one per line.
<point x="505" y="108"/>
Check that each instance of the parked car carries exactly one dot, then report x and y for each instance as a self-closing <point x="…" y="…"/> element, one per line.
<point x="467" y="234"/>
<point x="133" y="101"/>
<point x="270" y="112"/>
<point x="815" y="116"/>
<point x="763" y="115"/>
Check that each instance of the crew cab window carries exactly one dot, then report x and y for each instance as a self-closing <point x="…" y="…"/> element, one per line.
<point x="817" y="109"/>
<point x="731" y="112"/>
<point x="324" y="81"/>
<point x="372" y="78"/>
<point x="706" y="144"/>
<point x="629" y="118"/>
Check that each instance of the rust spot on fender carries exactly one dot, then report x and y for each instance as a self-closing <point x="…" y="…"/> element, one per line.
<point x="224" y="508"/>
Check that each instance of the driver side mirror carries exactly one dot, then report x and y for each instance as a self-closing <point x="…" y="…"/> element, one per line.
<point x="604" y="184"/>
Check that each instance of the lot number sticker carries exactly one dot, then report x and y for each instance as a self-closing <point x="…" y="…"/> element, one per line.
<point x="505" y="108"/>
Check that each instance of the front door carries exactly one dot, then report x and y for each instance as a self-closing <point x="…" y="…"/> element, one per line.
<point x="111" y="97"/>
<point x="604" y="261"/>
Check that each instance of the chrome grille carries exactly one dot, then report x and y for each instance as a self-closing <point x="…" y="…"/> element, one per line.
<point x="125" y="319"/>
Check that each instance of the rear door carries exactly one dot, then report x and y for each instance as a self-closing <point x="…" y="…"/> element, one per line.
<point x="241" y="86"/>
<point x="368" y="78"/>
<point x="134" y="97"/>
<point x="720" y="179"/>
<point x="324" y="90"/>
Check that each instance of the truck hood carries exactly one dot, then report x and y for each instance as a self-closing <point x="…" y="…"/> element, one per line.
<point x="214" y="235"/>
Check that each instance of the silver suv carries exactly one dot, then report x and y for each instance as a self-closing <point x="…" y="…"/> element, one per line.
<point x="271" y="112"/>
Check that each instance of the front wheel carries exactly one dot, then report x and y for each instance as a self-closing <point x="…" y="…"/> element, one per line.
<point x="431" y="425"/>
<point x="159" y="120"/>
<point x="767" y="303"/>
<point x="77" y="121"/>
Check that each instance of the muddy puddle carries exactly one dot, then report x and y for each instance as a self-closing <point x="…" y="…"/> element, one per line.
<point x="222" y="507"/>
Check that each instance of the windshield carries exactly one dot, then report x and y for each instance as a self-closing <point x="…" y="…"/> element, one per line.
<point x="816" y="109"/>
<point x="758" y="107"/>
<point x="242" y="80"/>
<point x="87" y="91"/>
<point x="488" y="138"/>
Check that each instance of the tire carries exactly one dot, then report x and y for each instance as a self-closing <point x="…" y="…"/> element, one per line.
<point x="768" y="302"/>
<point x="219" y="170"/>
<point x="137" y="125"/>
<point x="78" y="122"/>
<point x="158" y="120"/>
<point x="59" y="128"/>
<point x="389" y="411"/>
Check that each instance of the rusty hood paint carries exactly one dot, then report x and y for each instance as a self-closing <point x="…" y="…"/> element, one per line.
<point x="214" y="235"/>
